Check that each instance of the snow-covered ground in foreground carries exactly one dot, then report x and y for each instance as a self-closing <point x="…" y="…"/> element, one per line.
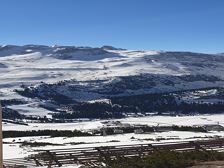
<point x="13" y="148"/>
<point x="12" y="144"/>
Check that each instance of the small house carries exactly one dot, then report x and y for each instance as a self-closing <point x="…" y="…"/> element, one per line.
<point x="118" y="131"/>
<point x="138" y="131"/>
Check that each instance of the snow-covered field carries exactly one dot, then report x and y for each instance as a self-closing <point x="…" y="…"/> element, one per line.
<point x="14" y="144"/>
<point x="149" y="120"/>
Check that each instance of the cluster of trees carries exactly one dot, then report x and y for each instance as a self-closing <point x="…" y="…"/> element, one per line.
<point x="158" y="102"/>
<point x="161" y="103"/>
<point x="11" y="102"/>
<point x="11" y="114"/>
<point x="166" y="159"/>
<point x="188" y="128"/>
<point x="52" y="133"/>
<point x="165" y="102"/>
<point x="91" y="110"/>
<point x="47" y="93"/>
<point x="36" y="144"/>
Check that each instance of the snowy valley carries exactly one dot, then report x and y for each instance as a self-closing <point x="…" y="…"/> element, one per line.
<point x="73" y="97"/>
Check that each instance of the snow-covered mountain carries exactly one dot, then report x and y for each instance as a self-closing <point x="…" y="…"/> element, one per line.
<point x="90" y="74"/>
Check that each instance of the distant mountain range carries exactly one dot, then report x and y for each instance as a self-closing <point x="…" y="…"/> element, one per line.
<point x="41" y="80"/>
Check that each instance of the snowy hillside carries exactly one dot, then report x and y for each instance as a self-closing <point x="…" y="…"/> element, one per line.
<point x="35" y="74"/>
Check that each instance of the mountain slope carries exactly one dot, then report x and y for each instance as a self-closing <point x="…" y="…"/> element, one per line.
<point x="38" y="74"/>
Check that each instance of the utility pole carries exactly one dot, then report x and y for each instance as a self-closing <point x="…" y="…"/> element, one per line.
<point x="1" y="144"/>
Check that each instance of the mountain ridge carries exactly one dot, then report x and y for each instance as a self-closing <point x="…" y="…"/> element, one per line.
<point x="39" y="74"/>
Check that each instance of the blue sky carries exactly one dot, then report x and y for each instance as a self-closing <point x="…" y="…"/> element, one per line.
<point x="184" y="25"/>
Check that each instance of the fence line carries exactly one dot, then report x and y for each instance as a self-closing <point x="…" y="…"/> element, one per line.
<point x="98" y="155"/>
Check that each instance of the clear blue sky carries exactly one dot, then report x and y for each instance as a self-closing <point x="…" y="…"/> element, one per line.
<point x="186" y="25"/>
